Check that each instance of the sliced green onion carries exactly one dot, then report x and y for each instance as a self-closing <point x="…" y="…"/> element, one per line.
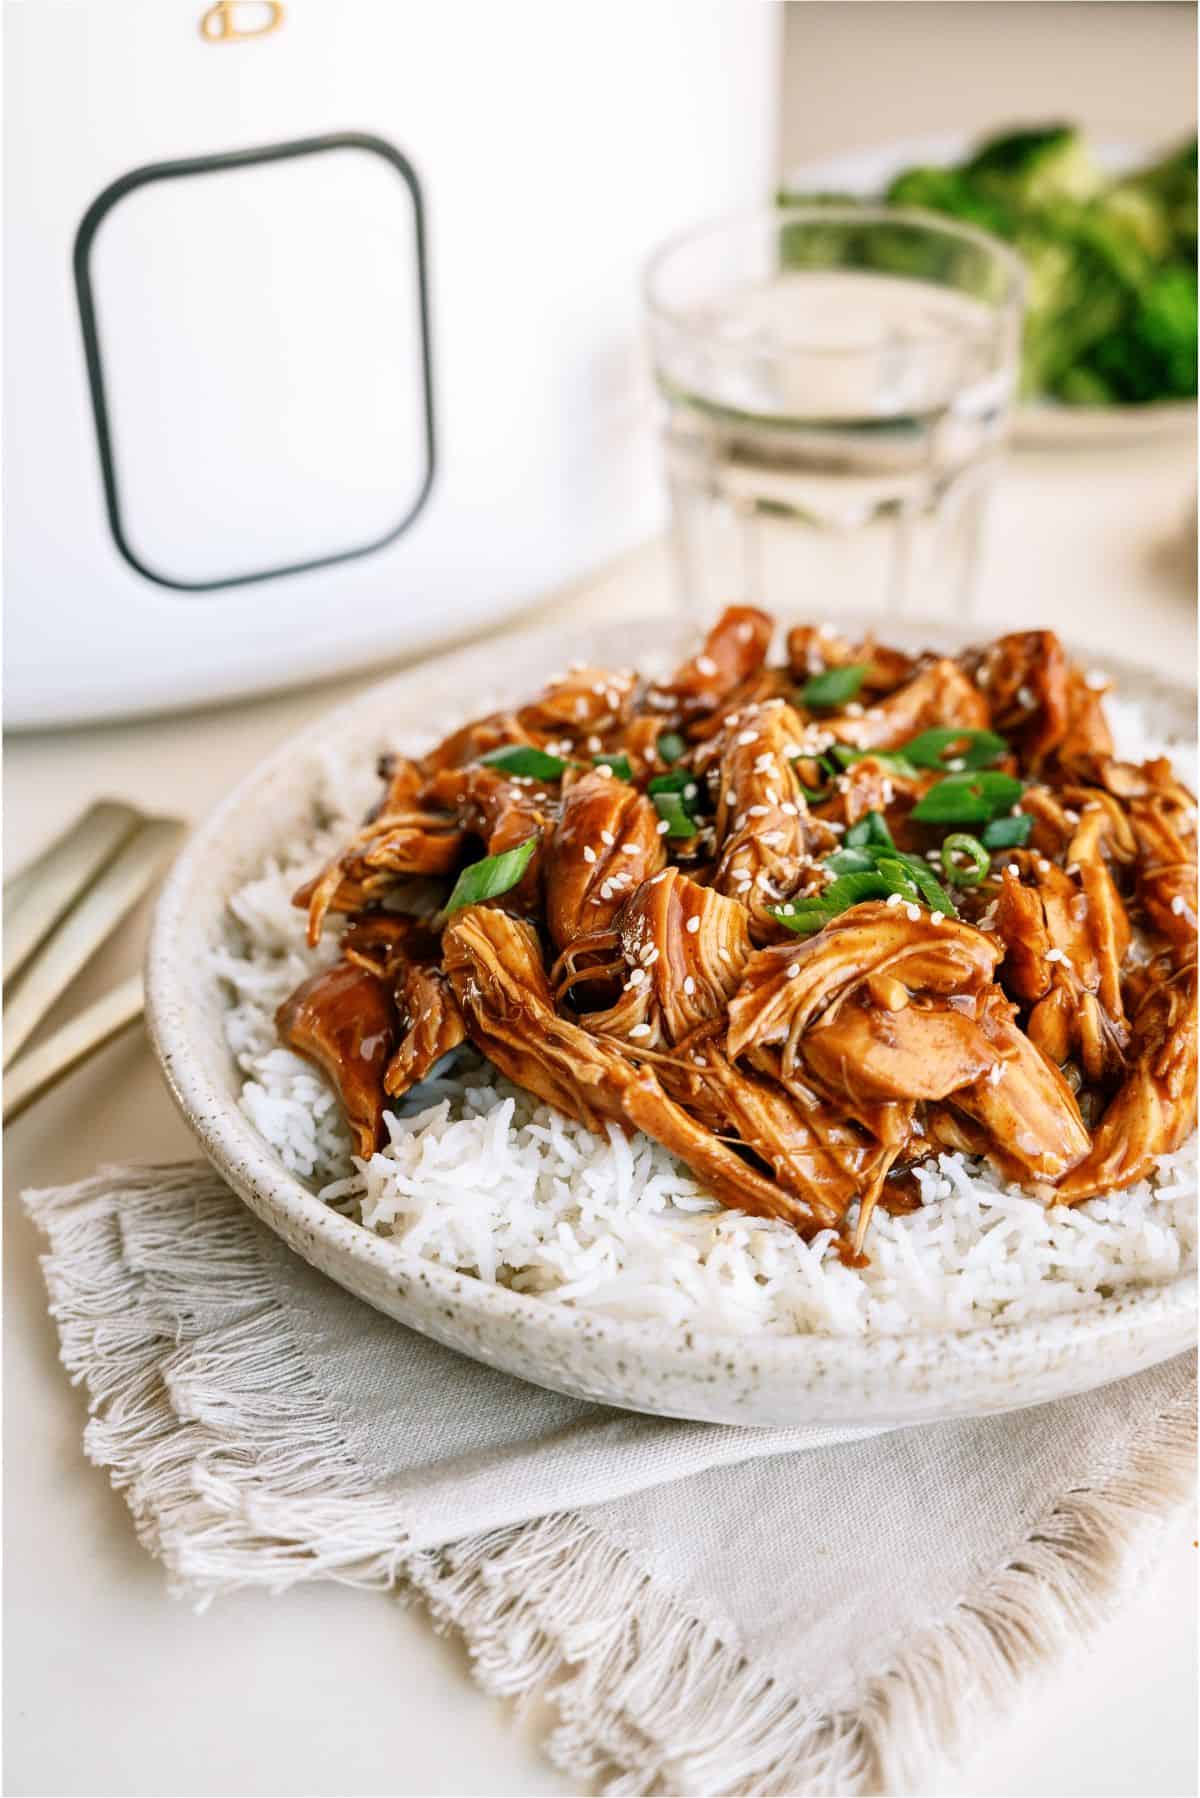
<point x="834" y="687"/>
<point x="671" y="746"/>
<point x="522" y="758"/>
<point x="494" y="875"/>
<point x="844" y="757"/>
<point x="871" y="829"/>
<point x="813" y="795"/>
<point x="617" y="765"/>
<point x="947" y="746"/>
<point x="1007" y="833"/>
<point x="680" y="822"/>
<point x="850" y="861"/>
<point x="932" y="893"/>
<point x="813" y="913"/>
<point x="978" y="860"/>
<point x="968" y="798"/>
<point x="899" y="879"/>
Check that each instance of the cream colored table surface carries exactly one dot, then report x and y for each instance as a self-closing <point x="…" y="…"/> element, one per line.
<point x="113" y="1688"/>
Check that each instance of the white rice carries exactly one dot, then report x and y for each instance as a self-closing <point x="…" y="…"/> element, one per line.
<point x="478" y="1176"/>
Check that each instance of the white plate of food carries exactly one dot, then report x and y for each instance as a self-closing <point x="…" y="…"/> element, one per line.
<point x="887" y="1250"/>
<point x="1040" y="419"/>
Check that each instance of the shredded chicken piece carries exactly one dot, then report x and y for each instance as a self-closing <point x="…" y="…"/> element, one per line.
<point x="734" y="651"/>
<point x="1154" y="1108"/>
<point x="940" y="694"/>
<point x="787" y="987"/>
<point x="605" y="844"/>
<point x="1025" y="677"/>
<point x="678" y="950"/>
<point x="344" y="1020"/>
<point x="494" y="963"/>
<point x="769" y="840"/>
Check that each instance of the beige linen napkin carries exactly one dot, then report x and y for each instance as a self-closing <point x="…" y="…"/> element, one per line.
<point x="709" y="1610"/>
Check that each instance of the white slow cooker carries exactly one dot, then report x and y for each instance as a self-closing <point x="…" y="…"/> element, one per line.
<point x="322" y="320"/>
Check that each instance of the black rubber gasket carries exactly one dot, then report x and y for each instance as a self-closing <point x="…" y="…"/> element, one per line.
<point x="203" y="165"/>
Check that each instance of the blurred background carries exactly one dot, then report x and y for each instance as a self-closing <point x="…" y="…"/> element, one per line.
<point x="858" y="74"/>
<point x="387" y="385"/>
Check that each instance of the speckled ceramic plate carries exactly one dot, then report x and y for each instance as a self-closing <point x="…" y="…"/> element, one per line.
<point x="849" y="1381"/>
<point x="1036" y="423"/>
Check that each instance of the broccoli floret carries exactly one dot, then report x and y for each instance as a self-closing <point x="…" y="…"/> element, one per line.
<point x="951" y="191"/>
<point x="1077" y="292"/>
<point x="1036" y="167"/>
<point x="1173" y="183"/>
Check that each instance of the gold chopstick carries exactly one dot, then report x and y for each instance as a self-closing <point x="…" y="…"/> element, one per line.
<point x="115" y="890"/>
<point x="94" y="1027"/>
<point x="37" y="897"/>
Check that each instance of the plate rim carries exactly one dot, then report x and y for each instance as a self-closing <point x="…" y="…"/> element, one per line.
<point x="248" y="1163"/>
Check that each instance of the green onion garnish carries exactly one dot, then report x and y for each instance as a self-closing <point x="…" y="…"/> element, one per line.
<point x="1007" y="833"/>
<point x="617" y="765"/>
<point x="874" y="871"/>
<point x="833" y="688"/>
<point x="957" y="749"/>
<point x="978" y="861"/>
<point x="850" y="861"/>
<point x="812" y="914"/>
<point x="968" y="798"/>
<point x="843" y="757"/>
<point x="871" y="829"/>
<point x="670" y="806"/>
<point x="814" y="795"/>
<point x="522" y="758"/>
<point x="494" y="875"/>
<point x="671" y="746"/>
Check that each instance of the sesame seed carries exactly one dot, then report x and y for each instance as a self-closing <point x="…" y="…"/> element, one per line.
<point x="689" y="985"/>
<point x="589" y="854"/>
<point x="912" y="913"/>
<point x="630" y="848"/>
<point x="758" y="811"/>
<point x="996" y="1074"/>
<point x="746" y="737"/>
<point x="788" y="909"/>
<point x="607" y="837"/>
<point x="773" y="837"/>
<point x="706" y="666"/>
<point x="745" y="632"/>
<point x="598" y="688"/>
<point x="1055" y="955"/>
<point x="854" y="709"/>
<point x="762" y="878"/>
<point x="793" y="968"/>
<point x="636" y="977"/>
<point x="603" y="768"/>
<point x="692" y="926"/>
<point x="1013" y="869"/>
<point x="595" y="743"/>
<point x="790" y="810"/>
<point x="699" y="1061"/>
<point x="1070" y="816"/>
<point x="640" y="1030"/>
<point x="894" y="899"/>
<point x="1179" y="905"/>
<point x="606" y="891"/>
<point x="1025" y="697"/>
<point x="690" y="791"/>
<point x="662" y="827"/>
<point x="773" y="796"/>
<point x="937" y="917"/>
<point x="650" y="955"/>
<point x="918" y="1128"/>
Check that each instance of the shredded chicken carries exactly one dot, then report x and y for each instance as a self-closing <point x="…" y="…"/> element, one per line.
<point x="737" y="919"/>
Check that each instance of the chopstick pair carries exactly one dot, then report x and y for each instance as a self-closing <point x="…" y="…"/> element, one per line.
<point x="57" y="913"/>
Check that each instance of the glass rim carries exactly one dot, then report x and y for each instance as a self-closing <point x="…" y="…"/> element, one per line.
<point x="869" y="212"/>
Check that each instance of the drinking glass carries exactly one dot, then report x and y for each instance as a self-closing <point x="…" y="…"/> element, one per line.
<point x="835" y="387"/>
